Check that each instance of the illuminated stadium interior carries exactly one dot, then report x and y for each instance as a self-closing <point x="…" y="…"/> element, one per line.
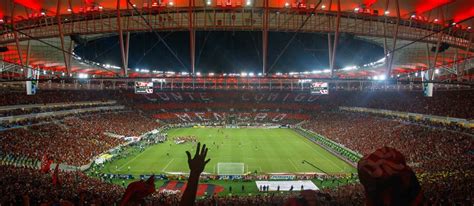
<point x="236" y="102"/>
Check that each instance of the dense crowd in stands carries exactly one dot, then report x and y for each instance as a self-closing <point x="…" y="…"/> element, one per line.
<point x="27" y="185"/>
<point x="440" y="157"/>
<point x="74" y="140"/>
<point x="443" y="103"/>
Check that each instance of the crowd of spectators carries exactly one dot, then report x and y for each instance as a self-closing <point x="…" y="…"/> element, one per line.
<point x="441" y="158"/>
<point x="443" y="103"/>
<point x="28" y="186"/>
<point x="74" y="140"/>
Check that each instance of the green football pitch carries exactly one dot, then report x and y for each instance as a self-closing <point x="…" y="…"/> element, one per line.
<point x="259" y="149"/>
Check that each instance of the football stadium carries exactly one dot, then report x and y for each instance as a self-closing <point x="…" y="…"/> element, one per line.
<point x="236" y="102"/>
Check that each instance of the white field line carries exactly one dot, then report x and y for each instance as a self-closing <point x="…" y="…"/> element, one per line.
<point x="128" y="162"/>
<point x="164" y="169"/>
<point x="292" y="163"/>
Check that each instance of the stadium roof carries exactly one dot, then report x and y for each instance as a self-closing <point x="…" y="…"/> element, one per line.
<point x="423" y="24"/>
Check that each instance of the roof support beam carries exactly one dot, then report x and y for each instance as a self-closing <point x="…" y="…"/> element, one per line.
<point x="395" y="37"/>
<point x="124" y="65"/>
<point x="329" y="37"/>
<point x="265" y="36"/>
<point x="192" y="37"/>
<point x="336" y="37"/>
<point x="17" y="41"/>
<point x="61" y="37"/>
<point x="438" y="44"/>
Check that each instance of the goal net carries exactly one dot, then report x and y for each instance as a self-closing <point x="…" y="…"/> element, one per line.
<point x="230" y="168"/>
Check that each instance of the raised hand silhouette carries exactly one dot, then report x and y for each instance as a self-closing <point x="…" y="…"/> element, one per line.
<point x="196" y="165"/>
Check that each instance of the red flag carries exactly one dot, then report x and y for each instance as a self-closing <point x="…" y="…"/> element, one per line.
<point x="387" y="179"/>
<point x="55" y="175"/>
<point x="138" y="190"/>
<point x="45" y="164"/>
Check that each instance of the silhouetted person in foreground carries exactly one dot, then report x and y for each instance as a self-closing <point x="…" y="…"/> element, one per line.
<point x="196" y="166"/>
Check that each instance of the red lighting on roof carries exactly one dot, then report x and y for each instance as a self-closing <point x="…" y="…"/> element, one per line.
<point x="31" y="4"/>
<point x="369" y="3"/>
<point x="427" y="5"/>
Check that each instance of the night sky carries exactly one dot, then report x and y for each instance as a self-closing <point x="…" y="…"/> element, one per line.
<point x="231" y="52"/>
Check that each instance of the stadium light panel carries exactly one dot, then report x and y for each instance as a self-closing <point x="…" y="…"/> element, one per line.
<point x="69" y="10"/>
<point x="208" y="3"/>
<point x="260" y="74"/>
<point x="251" y="74"/>
<point x="43" y="13"/>
<point x="326" y="70"/>
<point x="1" y="21"/>
<point x="323" y="6"/>
<point x="436" y="71"/>
<point x="101" y="7"/>
<point x="248" y="3"/>
<point x="436" y="20"/>
<point x="387" y="12"/>
<point x="82" y="76"/>
<point x="287" y="4"/>
<point x="198" y="73"/>
<point x="356" y="9"/>
<point x="468" y="27"/>
<point x="62" y="74"/>
<point x="211" y="74"/>
<point x="413" y="16"/>
<point x="171" y="3"/>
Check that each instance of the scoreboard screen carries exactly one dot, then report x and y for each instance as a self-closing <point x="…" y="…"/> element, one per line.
<point x="319" y="88"/>
<point x="143" y="87"/>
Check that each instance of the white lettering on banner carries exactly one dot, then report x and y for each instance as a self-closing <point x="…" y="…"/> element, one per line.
<point x="190" y="95"/>
<point x="218" y="117"/>
<point x="177" y="96"/>
<point x="260" y="116"/>
<point x="201" y="116"/>
<point x="299" y="97"/>
<point x="272" y="97"/>
<point x="279" y="117"/>
<point x="203" y="96"/>
<point x="163" y="96"/>
<point x="259" y="97"/>
<point x="312" y="98"/>
<point x="287" y="95"/>
<point x="244" y="98"/>
<point x="282" y="177"/>
<point x="244" y="116"/>
<point x="184" y="117"/>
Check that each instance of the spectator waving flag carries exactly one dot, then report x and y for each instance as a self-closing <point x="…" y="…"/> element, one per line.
<point x="138" y="190"/>
<point x="45" y="164"/>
